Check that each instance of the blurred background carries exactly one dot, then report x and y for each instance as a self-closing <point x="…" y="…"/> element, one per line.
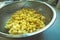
<point x="55" y="3"/>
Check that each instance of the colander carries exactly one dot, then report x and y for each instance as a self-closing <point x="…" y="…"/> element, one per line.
<point x="45" y="9"/>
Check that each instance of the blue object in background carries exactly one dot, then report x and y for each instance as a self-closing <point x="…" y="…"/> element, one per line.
<point x="53" y="33"/>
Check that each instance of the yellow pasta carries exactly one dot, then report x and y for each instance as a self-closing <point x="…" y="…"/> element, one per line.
<point x="26" y="20"/>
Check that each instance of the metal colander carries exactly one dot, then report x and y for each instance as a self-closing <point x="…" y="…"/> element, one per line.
<point x="7" y="11"/>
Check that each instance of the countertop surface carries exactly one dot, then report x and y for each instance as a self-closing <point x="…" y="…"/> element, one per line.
<point x="52" y="33"/>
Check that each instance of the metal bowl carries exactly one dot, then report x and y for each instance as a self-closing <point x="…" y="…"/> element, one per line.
<point x="7" y="11"/>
